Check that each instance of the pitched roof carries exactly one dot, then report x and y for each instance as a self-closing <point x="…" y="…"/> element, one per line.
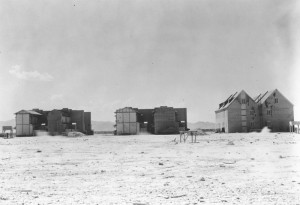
<point x="267" y="94"/>
<point x="28" y="112"/>
<point x="256" y="97"/>
<point x="228" y="101"/>
<point x="264" y="96"/>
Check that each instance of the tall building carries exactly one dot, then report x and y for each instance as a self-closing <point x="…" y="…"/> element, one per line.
<point x="241" y="113"/>
<point x="275" y="111"/>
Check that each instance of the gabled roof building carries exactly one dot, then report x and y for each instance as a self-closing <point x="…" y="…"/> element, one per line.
<point x="275" y="110"/>
<point x="241" y="113"/>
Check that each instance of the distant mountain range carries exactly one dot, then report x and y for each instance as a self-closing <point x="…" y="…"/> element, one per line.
<point x="109" y="126"/>
<point x="201" y="125"/>
<point x="7" y="123"/>
<point x="103" y="126"/>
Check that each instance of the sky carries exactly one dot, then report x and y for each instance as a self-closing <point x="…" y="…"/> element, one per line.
<point x="102" y="55"/>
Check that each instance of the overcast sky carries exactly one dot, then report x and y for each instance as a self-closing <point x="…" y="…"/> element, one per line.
<point x="103" y="55"/>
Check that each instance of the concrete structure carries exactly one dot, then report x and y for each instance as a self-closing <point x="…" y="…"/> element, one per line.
<point x="161" y="120"/>
<point x="55" y="121"/>
<point x="165" y="121"/>
<point x="63" y="120"/>
<point x="127" y="122"/>
<point x="88" y="123"/>
<point x="58" y="121"/>
<point x="26" y="122"/>
<point x="77" y="116"/>
<point x="241" y="113"/>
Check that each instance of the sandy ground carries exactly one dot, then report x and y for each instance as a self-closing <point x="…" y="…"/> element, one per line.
<point x="259" y="168"/>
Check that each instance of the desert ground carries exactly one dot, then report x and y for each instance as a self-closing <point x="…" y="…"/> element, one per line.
<point x="239" y="168"/>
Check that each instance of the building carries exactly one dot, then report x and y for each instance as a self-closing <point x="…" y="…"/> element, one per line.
<point x="26" y="122"/>
<point x="127" y="121"/>
<point x="59" y="121"/>
<point x="88" y="123"/>
<point x="276" y="111"/>
<point x="54" y="121"/>
<point x="160" y="120"/>
<point x="241" y="113"/>
<point x="165" y="121"/>
<point x="64" y="120"/>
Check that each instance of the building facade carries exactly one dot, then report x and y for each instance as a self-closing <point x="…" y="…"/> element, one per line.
<point x="160" y="120"/>
<point x="58" y="121"/>
<point x="165" y="121"/>
<point x="127" y="121"/>
<point x="241" y="113"/>
<point x="26" y="122"/>
<point x="55" y="121"/>
<point x="276" y="111"/>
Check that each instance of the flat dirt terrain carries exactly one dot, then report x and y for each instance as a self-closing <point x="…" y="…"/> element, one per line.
<point x="250" y="168"/>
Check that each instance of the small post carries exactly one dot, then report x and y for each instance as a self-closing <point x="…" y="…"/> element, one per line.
<point x="180" y="135"/>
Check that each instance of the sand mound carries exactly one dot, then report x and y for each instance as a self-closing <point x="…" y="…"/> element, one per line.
<point x="265" y="130"/>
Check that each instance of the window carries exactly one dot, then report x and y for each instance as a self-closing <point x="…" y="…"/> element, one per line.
<point x="251" y="124"/>
<point x="269" y="112"/>
<point x="276" y="100"/>
<point x="243" y="101"/>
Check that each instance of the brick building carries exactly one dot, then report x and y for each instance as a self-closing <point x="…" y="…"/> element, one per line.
<point x="241" y="113"/>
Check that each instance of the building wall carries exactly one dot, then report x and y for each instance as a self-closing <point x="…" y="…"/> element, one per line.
<point x="281" y="113"/>
<point x="243" y="114"/>
<point x="23" y="126"/>
<point x="234" y="117"/>
<point x="181" y="116"/>
<point x="77" y="116"/>
<point x="128" y="128"/>
<point x="222" y="121"/>
<point x="165" y="121"/>
<point x="253" y="117"/>
<point x="55" y="124"/>
<point x="126" y="121"/>
<point x="88" y="122"/>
